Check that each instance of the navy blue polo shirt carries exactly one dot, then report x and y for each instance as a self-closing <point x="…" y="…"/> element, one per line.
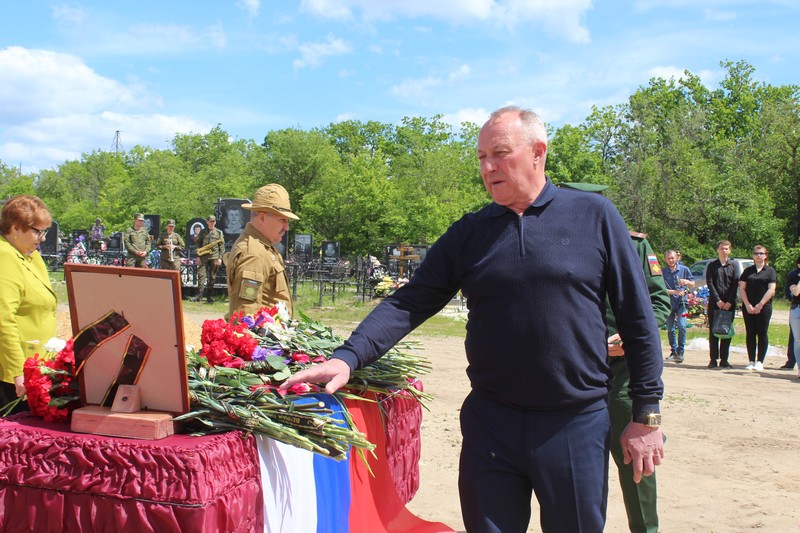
<point x="535" y="286"/>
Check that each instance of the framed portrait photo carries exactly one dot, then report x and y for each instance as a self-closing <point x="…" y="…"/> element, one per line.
<point x="135" y="323"/>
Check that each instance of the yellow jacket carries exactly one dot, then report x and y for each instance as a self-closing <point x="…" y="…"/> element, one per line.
<point x="27" y="309"/>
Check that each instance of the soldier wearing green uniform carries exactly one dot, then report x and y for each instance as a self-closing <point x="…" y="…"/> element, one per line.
<point x="640" y="498"/>
<point x="171" y="244"/>
<point x="210" y="247"/>
<point x="137" y="243"/>
<point x="256" y="272"/>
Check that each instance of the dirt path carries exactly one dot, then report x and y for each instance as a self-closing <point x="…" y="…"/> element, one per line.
<point x="732" y="457"/>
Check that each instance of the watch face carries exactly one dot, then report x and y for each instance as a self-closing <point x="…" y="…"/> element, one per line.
<point x="654" y="420"/>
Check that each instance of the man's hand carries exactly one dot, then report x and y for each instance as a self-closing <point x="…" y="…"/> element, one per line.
<point x="644" y="446"/>
<point x="615" y="346"/>
<point x="335" y="373"/>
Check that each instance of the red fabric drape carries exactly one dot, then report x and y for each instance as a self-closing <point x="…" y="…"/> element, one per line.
<point x="375" y="506"/>
<point x="55" y="480"/>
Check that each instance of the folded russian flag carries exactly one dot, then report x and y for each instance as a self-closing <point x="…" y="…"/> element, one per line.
<point x="305" y="492"/>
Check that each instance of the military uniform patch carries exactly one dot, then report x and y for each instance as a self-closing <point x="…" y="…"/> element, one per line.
<point x="250" y="290"/>
<point x="655" y="266"/>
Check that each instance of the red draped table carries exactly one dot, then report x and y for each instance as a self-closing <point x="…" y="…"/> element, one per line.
<point x="54" y="480"/>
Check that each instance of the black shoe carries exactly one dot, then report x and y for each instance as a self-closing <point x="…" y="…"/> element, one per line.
<point x="712" y="364"/>
<point x="787" y="366"/>
<point x="725" y="364"/>
<point x="679" y="357"/>
<point x="672" y="356"/>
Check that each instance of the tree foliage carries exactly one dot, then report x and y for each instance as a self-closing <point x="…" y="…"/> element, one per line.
<point x="685" y="163"/>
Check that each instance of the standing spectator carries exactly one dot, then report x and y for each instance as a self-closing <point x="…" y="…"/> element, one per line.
<point x="679" y="257"/>
<point x="790" y="359"/>
<point x="722" y="284"/>
<point x="535" y="266"/>
<point x="756" y="288"/>
<point x="255" y="269"/>
<point x="171" y="245"/>
<point x="27" y="300"/>
<point x="98" y="232"/>
<point x="677" y="278"/>
<point x="210" y="247"/>
<point x="793" y="280"/>
<point x="137" y="242"/>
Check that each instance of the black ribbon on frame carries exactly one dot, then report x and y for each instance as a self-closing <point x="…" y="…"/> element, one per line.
<point x="136" y="353"/>
<point x="95" y="335"/>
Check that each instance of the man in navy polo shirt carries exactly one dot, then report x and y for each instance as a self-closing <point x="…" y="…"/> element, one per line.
<point x="535" y="266"/>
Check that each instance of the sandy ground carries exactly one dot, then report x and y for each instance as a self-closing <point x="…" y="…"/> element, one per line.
<point x="732" y="450"/>
<point x="732" y="453"/>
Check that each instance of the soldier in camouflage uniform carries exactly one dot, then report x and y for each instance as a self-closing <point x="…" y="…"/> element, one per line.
<point x="256" y="272"/>
<point x="208" y="263"/>
<point x="171" y="241"/>
<point x="137" y="243"/>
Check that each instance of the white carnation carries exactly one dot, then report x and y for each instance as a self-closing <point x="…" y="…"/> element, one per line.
<point x="55" y="345"/>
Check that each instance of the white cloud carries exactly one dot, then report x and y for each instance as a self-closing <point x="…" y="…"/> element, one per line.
<point x="109" y="36"/>
<point x="420" y="88"/>
<point x="476" y="116"/>
<point x="250" y="7"/>
<point x="48" y="142"/>
<point x="558" y="17"/>
<point x="460" y="73"/>
<point x="312" y="54"/>
<point x="708" y="77"/>
<point x="343" y="117"/>
<point x="68" y="15"/>
<point x="53" y="108"/>
<point x="330" y="9"/>
<point x="40" y="83"/>
<point x="721" y="16"/>
<point x="158" y="38"/>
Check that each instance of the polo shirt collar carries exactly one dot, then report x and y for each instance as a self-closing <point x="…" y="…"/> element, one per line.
<point x="547" y="195"/>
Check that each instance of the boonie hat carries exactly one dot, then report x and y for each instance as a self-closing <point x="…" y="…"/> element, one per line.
<point x="138" y="216"/>
<point x="212" y="218"/>
<point x="170" y="222"/>
<point x="274" y="198"/>
<point x="588" y="187"/>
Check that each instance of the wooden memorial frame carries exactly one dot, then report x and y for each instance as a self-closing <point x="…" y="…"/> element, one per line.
<point x="150" y="300"/>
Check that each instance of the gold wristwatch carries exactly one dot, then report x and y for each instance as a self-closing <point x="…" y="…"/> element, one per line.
<point x="651" y="420"/>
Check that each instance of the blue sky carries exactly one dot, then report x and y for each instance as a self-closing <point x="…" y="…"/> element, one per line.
<point x="72" y="74"/>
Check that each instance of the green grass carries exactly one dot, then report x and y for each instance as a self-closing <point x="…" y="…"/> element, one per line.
<point x="778" y="333"/>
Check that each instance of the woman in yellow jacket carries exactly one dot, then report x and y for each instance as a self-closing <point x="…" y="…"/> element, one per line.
<point x="27" y="300"/>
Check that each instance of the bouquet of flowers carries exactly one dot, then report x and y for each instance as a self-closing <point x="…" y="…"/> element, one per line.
<point x="387" y="285"/>
<point x="50" y="385"/>
<point x="234" y="382"/>
<point x="696" y="303"/>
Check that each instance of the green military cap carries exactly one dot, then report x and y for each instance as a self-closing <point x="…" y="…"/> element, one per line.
<point x="170" y="222"/>
<point x="138" y="216"/>
<point x="588" y="187"/>
<point x="212" y="218"/>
